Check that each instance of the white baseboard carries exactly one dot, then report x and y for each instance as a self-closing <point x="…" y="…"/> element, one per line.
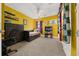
<point x="67" y="48"/>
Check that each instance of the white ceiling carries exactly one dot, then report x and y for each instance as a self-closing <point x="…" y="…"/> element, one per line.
<point x="36" y="10"/>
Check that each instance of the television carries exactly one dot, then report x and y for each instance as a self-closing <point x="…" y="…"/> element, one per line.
<point x="48" y="29"/>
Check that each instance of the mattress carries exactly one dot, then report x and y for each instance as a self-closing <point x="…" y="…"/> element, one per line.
<point x="33" y="33"/>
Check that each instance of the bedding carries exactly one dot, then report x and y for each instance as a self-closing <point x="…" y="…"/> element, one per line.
<point x="33" y="33"/>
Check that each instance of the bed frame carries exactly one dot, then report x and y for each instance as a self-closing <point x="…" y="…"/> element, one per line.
<point x="26" y="36"/>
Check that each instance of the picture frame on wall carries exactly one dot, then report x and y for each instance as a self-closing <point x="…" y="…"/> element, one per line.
<point x="25" y="21"/>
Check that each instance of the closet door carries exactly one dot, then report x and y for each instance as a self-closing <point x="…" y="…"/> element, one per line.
<point x="39" y="26"/>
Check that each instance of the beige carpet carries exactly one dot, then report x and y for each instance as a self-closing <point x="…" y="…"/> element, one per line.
<point x="41" y="47"/>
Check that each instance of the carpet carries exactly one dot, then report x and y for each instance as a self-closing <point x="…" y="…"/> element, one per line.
<point x="41" y="47"/>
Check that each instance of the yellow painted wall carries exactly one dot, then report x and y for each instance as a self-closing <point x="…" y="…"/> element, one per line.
<point x="2" y="24"/>
<point x="2" y="17"/>
<point x="73" y="36"/>
<point x="54" y="26"/>
<point x="30" y="22"/>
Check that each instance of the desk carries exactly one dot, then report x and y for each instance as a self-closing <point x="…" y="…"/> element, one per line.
<point x="48" y="34"/>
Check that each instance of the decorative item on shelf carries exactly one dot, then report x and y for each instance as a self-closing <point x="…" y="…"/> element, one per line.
<point x="16" y="18"/>
<point x="24" y="21"/>
<point x="10" y="15"/>
<point x="66" y="24"/>
<point x="68" y="20"/>
<point x="7" y="21"/>
<point x="69" y="32"/>
<point x="13" y="18"/>
<point x="67" y="7"/>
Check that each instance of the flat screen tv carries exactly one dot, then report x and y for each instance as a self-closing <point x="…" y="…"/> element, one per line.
<point x="48" y="29"/>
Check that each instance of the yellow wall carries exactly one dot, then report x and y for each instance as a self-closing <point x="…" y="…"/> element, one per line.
<point x="30" y="22"/>
<point x="54" y="26"/>
<point x="73" y="36"/>
<point x="2" y="17"/>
